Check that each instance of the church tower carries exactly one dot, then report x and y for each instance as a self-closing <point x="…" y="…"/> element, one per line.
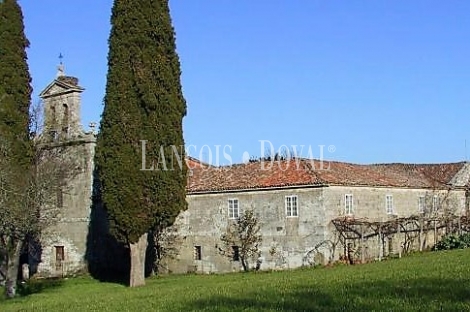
<point x="64" y="243"/>
<point x="61" y="100"/>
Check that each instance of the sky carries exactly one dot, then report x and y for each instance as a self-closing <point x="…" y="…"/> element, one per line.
<point x="360" y="81"/>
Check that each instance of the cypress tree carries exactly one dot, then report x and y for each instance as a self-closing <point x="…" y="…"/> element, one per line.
<point x="15" y="82"/>
<point x="143" y="106"/>
<point x="15" y="145"/>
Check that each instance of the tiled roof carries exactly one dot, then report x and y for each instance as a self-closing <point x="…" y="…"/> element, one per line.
<point x="391" y="175"/>
<point x="250" y="176"/>
<point x="303" y="172"/>
<point x="192" y="162"/>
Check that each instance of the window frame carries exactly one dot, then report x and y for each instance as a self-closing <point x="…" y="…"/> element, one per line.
<point x="435" y="203"/>
<point x="289" y="206"/>
<point x="232" y="208"/>
<point x="197" y="252"/>
<point x="59" y="252"/>
<point x="422" y="204"/>
<point x="389" y="209"/>
<point x="348" y="204"/>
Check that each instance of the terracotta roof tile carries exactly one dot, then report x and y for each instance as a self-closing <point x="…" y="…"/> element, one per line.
<point x="392" y="175"/>
<point x="298" y="172"/>
<point x="251" y="176"/>
<point x="192" y="162"/>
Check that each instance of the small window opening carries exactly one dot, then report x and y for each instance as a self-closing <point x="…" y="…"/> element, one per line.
<point x="197" y="253"/>
<point x="235" y="253"/>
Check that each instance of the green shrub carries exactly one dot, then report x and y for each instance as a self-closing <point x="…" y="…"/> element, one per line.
<point x="453" y="241"/>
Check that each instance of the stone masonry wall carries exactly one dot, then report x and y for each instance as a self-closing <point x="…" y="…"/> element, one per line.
<point x="70" y="232"/>
<point x="286" y="240"/>
<point x="370" y="203"/>
<point x="291" y="242"/>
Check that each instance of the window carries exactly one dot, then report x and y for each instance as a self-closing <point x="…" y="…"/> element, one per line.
<point x="233" y="209"/>
<point x="54" y="135"/>
<point x="59" y="253"/>
<point x="348" y="204"/>
<point x="389" y="204"/>
<point x="60" y="197"/>
<point x="53" y="115"/>
<point x="197" y="253"/>
<point x="59" y="257"/>
<point x="292" y="208"/>
<point x="390" y="245"/>
<point x="65" y="120"/>
<point x="66" y="131"/>
<point x="235" y="253"/>
<point x="435" y="203"/>
<point x="422" y="204"/>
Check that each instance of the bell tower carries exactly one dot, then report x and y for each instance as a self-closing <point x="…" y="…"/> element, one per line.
<point x="64" y="243"/>
<point x="61" y="100"/>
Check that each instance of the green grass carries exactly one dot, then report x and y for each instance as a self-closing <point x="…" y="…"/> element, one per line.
<point x="437" y="281"/>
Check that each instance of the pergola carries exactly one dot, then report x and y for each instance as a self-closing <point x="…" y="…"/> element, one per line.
<point x="412" y="227"/>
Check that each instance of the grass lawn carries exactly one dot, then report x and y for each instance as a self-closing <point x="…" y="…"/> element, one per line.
<point x="435" y="281"/>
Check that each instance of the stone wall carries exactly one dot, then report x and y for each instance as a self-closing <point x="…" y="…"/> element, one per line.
<point x="62" y="108"/>
<point x="291" y="242"/>
<point x="370" y="203"/>
<point x="68" y="236"/>
<point x="286" y="240"/>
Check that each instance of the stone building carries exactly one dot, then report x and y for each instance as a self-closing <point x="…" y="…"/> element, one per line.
<point x="295" y="200"/>
<point x="63" y="245"/>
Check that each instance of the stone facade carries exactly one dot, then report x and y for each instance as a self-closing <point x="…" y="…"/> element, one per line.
<point x="62" y="103"/>
<point x="370" y="203"/>
<point x="291" y="242"/>
<point x="373" y="193"/>
<point x="63" y="245"/>
<point x="285" y="239"/>
<point x="291" y="237"/>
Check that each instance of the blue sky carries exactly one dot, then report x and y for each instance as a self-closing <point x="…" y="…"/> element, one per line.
<point x="382" y="81"/>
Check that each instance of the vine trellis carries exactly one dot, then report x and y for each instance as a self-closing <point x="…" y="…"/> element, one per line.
<point x="357" y="231"/>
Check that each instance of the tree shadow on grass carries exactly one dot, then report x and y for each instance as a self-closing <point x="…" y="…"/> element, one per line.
<point x="428" y="294"/>
<point x="294" y="300"/>
<point x="37" y="286"/>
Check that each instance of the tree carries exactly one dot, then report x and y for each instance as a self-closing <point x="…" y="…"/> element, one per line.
<point x="143" y="103"/>
<point x="15" y="147"/>
<point x="243" y="239"/>
<point x="28" y="199"/>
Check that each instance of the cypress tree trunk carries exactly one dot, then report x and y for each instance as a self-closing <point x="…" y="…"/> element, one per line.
<point x="137" y="254"/>
<point x="13" y="262"/>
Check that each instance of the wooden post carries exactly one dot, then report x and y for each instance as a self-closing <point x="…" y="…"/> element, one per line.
<point x="421" y="234"/>
<point x="398" y="241"/>
<point x="380" y="244"/>
<point x="363" y="249"/>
